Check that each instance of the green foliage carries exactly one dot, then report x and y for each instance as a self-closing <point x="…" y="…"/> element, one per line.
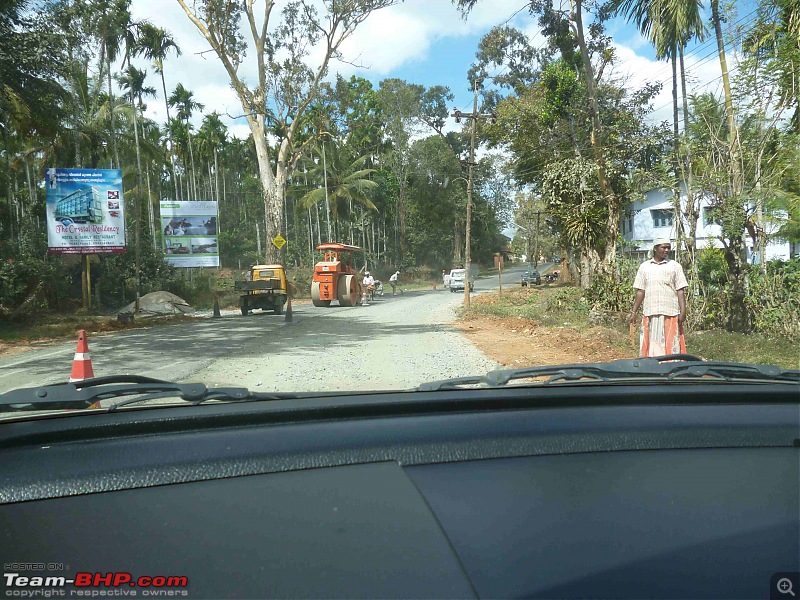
<point x="711" y="267"/>
<point x="567" y="300"/>
<point x="561" y="89"/>
<point x="32" y="280"/>
<point x="774" y="299"/>
<point x="613" y="293"/>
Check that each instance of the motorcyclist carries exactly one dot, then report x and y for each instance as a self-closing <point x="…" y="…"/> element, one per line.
<point x="369" y="284"/>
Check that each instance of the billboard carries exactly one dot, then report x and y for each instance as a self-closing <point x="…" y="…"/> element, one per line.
<point x="85" y="211"/>
<point x="190" y="233"/>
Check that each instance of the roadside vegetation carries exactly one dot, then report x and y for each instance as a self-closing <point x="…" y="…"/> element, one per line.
<point x="548" y="310"/>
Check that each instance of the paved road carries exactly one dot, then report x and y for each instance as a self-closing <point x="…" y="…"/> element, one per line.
<point x="394" y="343"/>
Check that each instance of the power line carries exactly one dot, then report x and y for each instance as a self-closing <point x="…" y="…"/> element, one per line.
<point x="711" y="41"/>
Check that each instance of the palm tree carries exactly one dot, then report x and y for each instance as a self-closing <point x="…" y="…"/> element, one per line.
<point x="156" y="44"/>
<point x="211" y="137"/>
<point x="132" y="81"/>
<point x="183" y="99"/>
<point x="113" y="21"/>
<point x="343" y="179"/>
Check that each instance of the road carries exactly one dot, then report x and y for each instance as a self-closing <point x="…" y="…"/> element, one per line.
<point x="394" y="343"/>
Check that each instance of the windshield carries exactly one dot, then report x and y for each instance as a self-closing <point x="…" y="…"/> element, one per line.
<point x="374" y="195"/>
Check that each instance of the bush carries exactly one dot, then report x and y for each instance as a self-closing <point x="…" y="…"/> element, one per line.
<point x="567" y="300"/>
<point x="774" y="299"/>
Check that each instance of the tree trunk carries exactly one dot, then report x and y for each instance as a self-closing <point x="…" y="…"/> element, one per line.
<point x="272" y="196"/>
<point x="692" y="208"/>
<point x="169" y="135"/>
<point x="191" y="159"/>
<point x="675" y="120"/>
<point x="138" y="209"/>
<point x="612" y="199"/>
<point x="739" y="318"/>
<point x="117" y="163"/>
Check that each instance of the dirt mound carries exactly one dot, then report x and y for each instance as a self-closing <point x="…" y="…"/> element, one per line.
<point x="159" y="304"/>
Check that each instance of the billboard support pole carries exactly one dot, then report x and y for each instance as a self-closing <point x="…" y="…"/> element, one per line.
<point x="84" y="282"/>
<point x="88" y="282"/>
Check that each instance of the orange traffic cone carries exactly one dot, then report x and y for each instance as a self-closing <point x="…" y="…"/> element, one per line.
<point x="82" y="364"/>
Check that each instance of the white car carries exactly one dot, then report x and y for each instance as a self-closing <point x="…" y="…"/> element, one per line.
<point x="457" y="278"/>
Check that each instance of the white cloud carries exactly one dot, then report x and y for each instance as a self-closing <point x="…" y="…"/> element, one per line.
<point x="702" y="75"/>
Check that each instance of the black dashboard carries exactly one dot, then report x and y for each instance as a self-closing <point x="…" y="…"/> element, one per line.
<point x="567" y="492"/>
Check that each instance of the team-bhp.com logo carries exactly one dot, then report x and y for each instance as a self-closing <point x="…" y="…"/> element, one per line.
<point x="86" y="584"/>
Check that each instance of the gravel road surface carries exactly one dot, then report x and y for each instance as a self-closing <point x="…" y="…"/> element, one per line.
<point x="394" y="343"/>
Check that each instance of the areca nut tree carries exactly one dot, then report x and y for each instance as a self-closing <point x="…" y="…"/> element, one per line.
<point x="156" y="45"/>
<point x="183" y="99"/>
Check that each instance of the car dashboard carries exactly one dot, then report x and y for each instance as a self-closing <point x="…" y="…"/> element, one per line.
<point x="571" y="491"/>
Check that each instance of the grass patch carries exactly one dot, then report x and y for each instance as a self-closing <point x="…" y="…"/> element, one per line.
<point x="549" y="305"/>
<point x="745" y="348"/>
<point x="566" y="306"/>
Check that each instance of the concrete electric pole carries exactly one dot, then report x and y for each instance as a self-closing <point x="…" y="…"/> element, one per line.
<point x="473" y="117"/>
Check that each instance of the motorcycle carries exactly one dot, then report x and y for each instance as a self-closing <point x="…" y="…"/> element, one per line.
<point x="375" y="290"/>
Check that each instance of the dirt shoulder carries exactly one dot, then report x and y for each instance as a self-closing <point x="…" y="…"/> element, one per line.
<point x="519" y="340"/>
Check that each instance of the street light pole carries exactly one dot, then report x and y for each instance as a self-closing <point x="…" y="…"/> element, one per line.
<point x="473" y="116"/>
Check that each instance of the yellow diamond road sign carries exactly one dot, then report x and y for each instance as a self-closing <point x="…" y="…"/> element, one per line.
<point x="278" y="241"/>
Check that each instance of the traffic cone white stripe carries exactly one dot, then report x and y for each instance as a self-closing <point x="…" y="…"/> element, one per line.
<point x="82" y="364"/>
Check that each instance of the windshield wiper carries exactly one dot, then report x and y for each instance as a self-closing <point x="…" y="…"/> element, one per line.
<point x="83" y="394"/>
<point x="675" y="367"/>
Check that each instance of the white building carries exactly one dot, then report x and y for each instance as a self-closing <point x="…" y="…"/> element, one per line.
<point x="653" y="217"/>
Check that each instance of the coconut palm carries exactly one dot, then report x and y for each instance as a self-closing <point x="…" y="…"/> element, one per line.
<point x="669" y="25"/>
<point x="346" y="181"/>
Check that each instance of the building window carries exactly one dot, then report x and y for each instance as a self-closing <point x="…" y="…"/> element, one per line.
<point x="711" y="216"/>
<point x="662" y="218"/>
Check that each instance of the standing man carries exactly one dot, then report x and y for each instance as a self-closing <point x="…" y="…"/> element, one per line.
<point x="393" y="281"/>
<point x="660" y="285"/>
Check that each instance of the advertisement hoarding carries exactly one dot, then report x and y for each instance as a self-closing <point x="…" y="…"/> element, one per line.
<point x="85" y="211"/>
<point x="190" y="233"/>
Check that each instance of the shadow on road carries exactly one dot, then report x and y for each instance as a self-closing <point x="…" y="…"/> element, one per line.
<point x="260" y="334"/>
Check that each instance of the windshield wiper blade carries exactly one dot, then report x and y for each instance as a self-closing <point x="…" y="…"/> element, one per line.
<point x="83" y="394"/>
<point x="675" y="367"/>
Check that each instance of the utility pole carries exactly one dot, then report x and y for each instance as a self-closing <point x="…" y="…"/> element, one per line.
<point x="473" y="116"/>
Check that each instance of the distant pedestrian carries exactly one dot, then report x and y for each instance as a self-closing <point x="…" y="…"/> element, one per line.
<point x="393" y="281"/>
<point x="660" y="285"/>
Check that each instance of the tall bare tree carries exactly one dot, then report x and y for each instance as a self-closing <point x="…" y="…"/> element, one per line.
<point x="285" y="84"/>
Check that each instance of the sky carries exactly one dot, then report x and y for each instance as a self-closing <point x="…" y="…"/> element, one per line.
<point x="422" y="41"/>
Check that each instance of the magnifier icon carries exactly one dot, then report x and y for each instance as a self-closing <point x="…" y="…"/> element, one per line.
<point x="785" y="586"/>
